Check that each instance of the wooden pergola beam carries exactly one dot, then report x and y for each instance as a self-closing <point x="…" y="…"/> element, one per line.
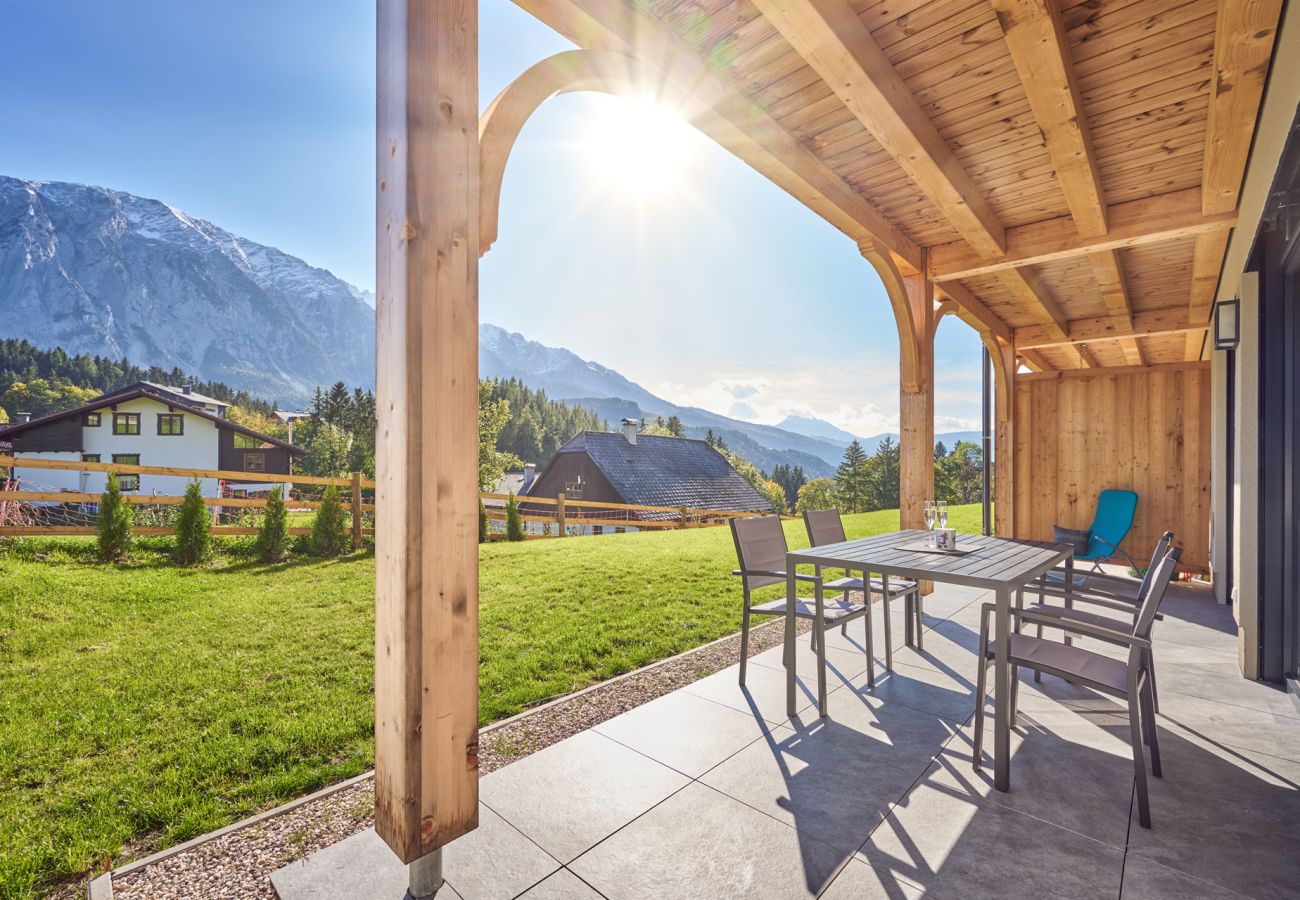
<point x="832" y="39"/>
<point x="1165" y="217"/>
<point x="971" y="310"/>
<point x="1243" y="46"/>
<point x="1108" y="271"/>
<point x="1033" y="295"/>
<point x="1041" y="54"/>
<point x="1152" y="323"/>
<point x="735" y="121"/>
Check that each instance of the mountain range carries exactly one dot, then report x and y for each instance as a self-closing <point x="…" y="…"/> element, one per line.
<point x="105" y="272"/>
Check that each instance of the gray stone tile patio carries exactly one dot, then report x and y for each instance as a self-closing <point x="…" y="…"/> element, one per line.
<point x="711" y="792"/>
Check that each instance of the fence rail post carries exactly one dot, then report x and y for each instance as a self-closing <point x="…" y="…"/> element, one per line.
<point x="559" y="515"/>
<point x="356" y="510"/>
<point x="682" y="522"/>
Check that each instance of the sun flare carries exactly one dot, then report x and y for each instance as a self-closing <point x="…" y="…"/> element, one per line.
<point x="637" y="148"/>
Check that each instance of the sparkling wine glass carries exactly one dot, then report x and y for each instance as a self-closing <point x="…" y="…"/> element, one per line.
<point x="929" y="512"/>
<point x="941" y="513"/>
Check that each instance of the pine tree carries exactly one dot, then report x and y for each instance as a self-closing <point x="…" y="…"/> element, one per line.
<point x="482" y="523"/>
<point x="192" y="538"/>
<point x="272" y="536"/>
<point x="851" y="478"/>
<point x="514" y="523"/>
<point x="114" y="523"/>
<point x="329" y="528"/>
<point x="883" y="479"/>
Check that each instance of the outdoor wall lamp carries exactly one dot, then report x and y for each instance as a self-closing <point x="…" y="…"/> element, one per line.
<point x="1227" y="324"/>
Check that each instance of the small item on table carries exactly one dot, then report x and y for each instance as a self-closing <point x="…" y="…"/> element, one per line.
<point x="946" y="539"/>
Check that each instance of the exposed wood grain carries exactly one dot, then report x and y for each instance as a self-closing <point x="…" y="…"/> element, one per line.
<point x="1038" y="45"/>
<point x="835" y="43"/>
<point x="1114" y="293"/>
<point x="1166" y="217"/>
<point x="1170" y="320"/>
<point x="426" y="547"/>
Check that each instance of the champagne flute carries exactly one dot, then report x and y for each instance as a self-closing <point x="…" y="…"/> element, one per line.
<point x="941" y="513"/>
<point x="929" y="513"/>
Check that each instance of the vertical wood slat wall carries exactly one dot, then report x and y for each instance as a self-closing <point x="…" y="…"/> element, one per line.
<point x="1144" y="430"/>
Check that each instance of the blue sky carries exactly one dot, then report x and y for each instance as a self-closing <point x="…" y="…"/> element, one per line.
<point x="686" y="271"/>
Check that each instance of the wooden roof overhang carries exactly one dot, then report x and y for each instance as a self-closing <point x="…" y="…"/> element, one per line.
<point x="1066" y="171"/>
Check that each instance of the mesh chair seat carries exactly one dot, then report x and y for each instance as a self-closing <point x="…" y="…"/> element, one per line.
<point x="1072" y="662"/>
<point x="833" y="608"/>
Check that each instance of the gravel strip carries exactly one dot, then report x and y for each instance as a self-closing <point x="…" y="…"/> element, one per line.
<point x="238" y="866"/>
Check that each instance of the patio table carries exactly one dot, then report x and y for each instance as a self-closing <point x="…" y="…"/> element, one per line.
<point x="998" y="564"/>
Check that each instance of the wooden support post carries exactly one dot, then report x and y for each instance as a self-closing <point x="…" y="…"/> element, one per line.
<point x="682" y="522"/>
<point x="559" y="514"/>
<point x="356" y="510"/>
<point x="916" y="410"/>
<point x="426" y="548"/>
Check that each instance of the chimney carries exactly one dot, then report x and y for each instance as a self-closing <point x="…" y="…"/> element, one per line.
<point x="187" y="389"/>
<point x="23" y="417"/>
<point x="530" y="475"/>
<point x="629" y="430"/>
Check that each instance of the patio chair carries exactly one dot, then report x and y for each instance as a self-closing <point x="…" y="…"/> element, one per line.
<point x="1128" y="680"/>
<point x="1107" y="598"/>
<point x="826" y="527"/>
<point x="761" y="549"/>
<point x="1110" y="525"/>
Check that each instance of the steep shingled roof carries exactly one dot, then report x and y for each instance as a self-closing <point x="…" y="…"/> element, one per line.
<point x="667" y="471"/>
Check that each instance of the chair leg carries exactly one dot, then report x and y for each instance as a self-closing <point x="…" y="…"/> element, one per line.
<point x="1152" y="734"/>
<point x="871" y="653"/>
<point x="744" y="643"/>
<point x="889" y="636"/>
<point x="919" y="606"/>
<point x="909" y="613"/>
<point x="819" y="626"/>
<point x="1139" y="762"/>
<point x="1038" y="673"/>
<point x="981" y="681"/>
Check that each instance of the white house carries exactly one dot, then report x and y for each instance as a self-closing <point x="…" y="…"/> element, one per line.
<point x="143" y="424"/>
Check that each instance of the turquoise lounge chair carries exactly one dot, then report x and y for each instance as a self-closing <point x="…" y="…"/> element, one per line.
<point x="1111" y="524"/>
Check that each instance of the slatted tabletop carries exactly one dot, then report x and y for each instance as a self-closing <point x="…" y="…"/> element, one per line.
<point x="992" y="562"/>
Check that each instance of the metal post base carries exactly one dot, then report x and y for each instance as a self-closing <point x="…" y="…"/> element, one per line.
<point x="425" y="876"/>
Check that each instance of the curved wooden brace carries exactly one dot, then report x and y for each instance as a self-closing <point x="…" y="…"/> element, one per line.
<point x="909" y="347"/>
<point x="499" y="126"/>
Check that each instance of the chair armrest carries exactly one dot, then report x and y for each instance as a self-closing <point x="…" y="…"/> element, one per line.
<point x="1098" y="598"/>
<point x="1089" y="576"/>
<point x="765" y="573"/>
<point x="1084" y="628"/>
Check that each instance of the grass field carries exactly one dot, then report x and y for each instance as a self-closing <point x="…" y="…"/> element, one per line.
<point x="144" y="704"/>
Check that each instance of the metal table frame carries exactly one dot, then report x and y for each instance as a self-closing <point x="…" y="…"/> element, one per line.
<point x="1002" y="565"/>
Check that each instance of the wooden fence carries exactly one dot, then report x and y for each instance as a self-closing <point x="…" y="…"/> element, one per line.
<point x="567" y="515"/>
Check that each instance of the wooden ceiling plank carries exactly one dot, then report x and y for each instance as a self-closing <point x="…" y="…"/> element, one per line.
<point x="833" y="40"/>
<point x="1109" y="273"/>
<point x="1036" y="39"/>
<point x="1164" y="217"/>
<point x="1030" y="292"/>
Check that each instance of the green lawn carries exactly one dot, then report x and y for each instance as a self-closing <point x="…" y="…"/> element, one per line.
<point x="143" y="704"/>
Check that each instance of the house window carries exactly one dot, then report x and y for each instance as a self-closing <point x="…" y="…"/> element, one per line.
<point x="171" y="423"/>
<point x="90" y="457"/>
<point x="244" y="442"/>
<point x="126" y="423"/>
<point x="128" y="482"/>
<point x="92" y="420"/>
<point x="254" y="462"/>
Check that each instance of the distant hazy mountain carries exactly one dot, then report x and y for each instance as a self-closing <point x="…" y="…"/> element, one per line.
<point x="817" y="428"/>
<point x="106" y="272"/>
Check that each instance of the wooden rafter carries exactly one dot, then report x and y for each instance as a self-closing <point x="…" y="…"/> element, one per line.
<point x="971" y="310"/>
<point x="755" y="136"/>
<point x="1108" y="271"/>
<point x="1036" y="39"/>
<point x="1034" y="360"/>
<point x="1243" y="45"/>
<point x="1167" y="321"/>
<point x="1165" y="217"/>
<point x="832" y="39"/>
<point x="1028" y="289"/>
